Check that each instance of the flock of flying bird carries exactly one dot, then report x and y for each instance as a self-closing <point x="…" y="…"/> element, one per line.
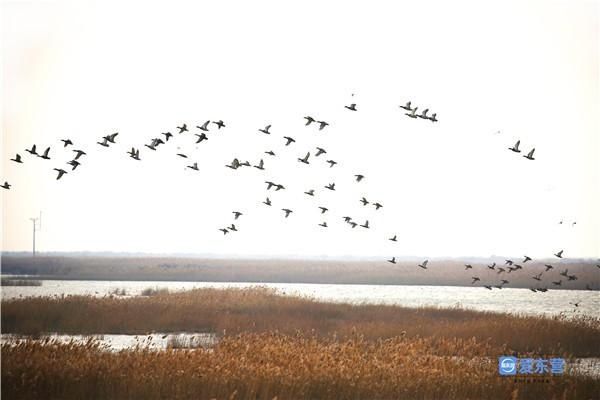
<point x="108" y="140"/>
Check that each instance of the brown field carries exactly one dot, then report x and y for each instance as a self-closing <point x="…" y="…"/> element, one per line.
<point x="284" y="347"/>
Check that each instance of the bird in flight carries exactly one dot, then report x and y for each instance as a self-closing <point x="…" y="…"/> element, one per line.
<point x="32" y="151"/>
<point x="559" y="254"/>
<point x="267" y="202"/>
<point x="548" y="267"/>
<point x="557" y="283"/>
<point x="265" y="130"/>
<point x="423" y="115"/>
<point x="193" y="166"/>
<point x="289" y="140"/>
<point x="224" y="230"/>
<point x="323" y="209"/>
<point x="377" y="206"/>
<point x="236" y="214"/>
<point x="220" y="124"/>
<point x="204" y="126"/>
<point x="279" y="187"/>
<point x="168" y="135"/>
<point x="475" y="279"/>
<point x="182" y="128"/>
<point x="6" y="185"/>
<point x="433" y="117"/>
<point x="182" y="155"/>
<point x="79" y="153"/>
<point x="103" y="143"/>
<point x="504" y="282"/>
<point x="311" y="192"/>
<point x="413" y="113"/>
<point x="66" y="142"/>
<point x="509" y="262"/>
<point x="331" y="186"/>
<point x="305" y="159"/>
<point x="331" y="163"/>
<point x="270" y="153"/>
<point x="394" y="239"/>
<point x="323" y="224"/>
<point x="492" y="266"/>
<point x="111" y="138"/>
<point x="17" y="159"/>
<point x="347" y="219"/>
<point x="424" y="264"/>
<point x="320" y="151"/>
<point x="75" y="164"/>
<point x="407" y="106"/>
<point x="287" y="211"/>
<point x="261" y="165"/>
<point x="366" y="224"/>
<point x="529" y="155"/>
<point x="309" y="120"/>
<point x="233" y="228"/>
<point x="468" y="266"/>
<point x="235" y="164"/>
<point x="364" y="201"/>
<point x="393" y="260"/>
<point x="61" y="172"/>
<point x="359" y="177"/>
<point x="351" y="107"/>
<point x="133" y="153"/>
<point x="515" y="148"/>
<point x="201" y="137"/>
<point x="353" y="224"/>
<point x="526" y="259"/>
<point x="538" y="277"/>
<point x="270" y="184"/>
<point x="322" y="125"/>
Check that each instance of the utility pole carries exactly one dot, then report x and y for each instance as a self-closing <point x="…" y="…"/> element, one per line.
<point x="35" y="223"/>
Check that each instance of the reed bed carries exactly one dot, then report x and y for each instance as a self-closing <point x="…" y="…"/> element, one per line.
<point x="275" y="366"/>
<point x="234" y="311"/>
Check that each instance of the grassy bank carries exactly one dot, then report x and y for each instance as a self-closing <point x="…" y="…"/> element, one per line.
<point x="273" y="365"/>
<point x="234" y="311"/>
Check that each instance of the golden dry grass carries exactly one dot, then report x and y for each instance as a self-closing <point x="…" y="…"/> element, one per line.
<point x="273" y="365"/>
<point x="261" y="310"/>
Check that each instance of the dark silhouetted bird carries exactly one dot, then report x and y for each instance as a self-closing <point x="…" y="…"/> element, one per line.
<point x="265" y="130"/>
<point x="220" y="124"/>
<point x="17" y="159"/>
<point x="320" y="151"/>
<point x="475" y="279"/>
<point x="201" y="137"/>
<point x="394" y="239"/>
<point x="267" y="202"/>
<point x="182" y="155"/>
<point x="287" y="211"/>
<point x="504" y="282"/>
<point x="359" y="177"/>
<point x="559" y="254"/>
<point x="433" y="117"/>
<point x="548" y="267"/>
<point x="261" y="165"/>
<point x="103" y="143"/>
<point x="309" y="120"/>
<point x="509" y="262"/>
<point x="488" y="287"/>
<point x="557" y="283"/>
<point x="493" y="266"/>
<point x="407" y="106"/>
<point x="353" y="224"/>
<point x="45" y="155"/>
<point x="235" y="164"/>
<point x="182" y="128"/>
<point x="305" y="159"/>
<point x="331" y="163"/>
<point x="526" y="259"/>
<point x="32" y="151"/>
<point x="279" y="187"/>
<point x="61" y="172"/>
<point x="75" y="164"/>
<point x="269" y="153"/>
<point x="366" y="224"/>
<point x="236" y="214"/>
<point x="364" y="201"/>
<point x="233" y="228"/>
<point x="111" y="138"/>
<point x="224" y="230"/>
<point x="565" y="273"/>
<point x="133" y="153"/>
<point x="572" y="277"/>
<point x="515" y="148"/>
<point x="538" y="277"/>
<point x="323" y="224"/>
<point x="529" y="155"/>
<point x="413" y="113"/>
<point x="204" y="126"/>
<point x="311" y="192"/>
<point x="270" y="184"/>
<point x="468" y="266"/>
<point x="323" y="209"/>
<point x="393" y="260"/>
<point x="322" y="125"/>
<point x="423" y="115"/>
<point x="377" y="206"/>
<point x="351" y="107"/>
<point x="6" y="185"/>
<point x="331" y="186"/>
<point x="79" y="153"/>
<point x="66" y="142"/>
<point x="347" y="219"/>
<point x="193" y="166"/>
<point x="168" y="135"/>
<point x="288" y="140"/>
<point x="424" y="264"/>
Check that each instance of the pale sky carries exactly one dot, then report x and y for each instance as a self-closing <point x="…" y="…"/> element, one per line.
<point x="81" y="70"/>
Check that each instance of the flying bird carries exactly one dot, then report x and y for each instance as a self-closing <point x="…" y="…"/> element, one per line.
<point x="17" y="159"/>
<point x="323" y="209"/>
<point x="323" y="224"/>
<point x="168" y="135"/>
<point x="475" y="279"/>
<point x="79" y="153"/>
<point x="366" y="224"/>
<point x="61" y="172"/>
<point x="66" y="142"/>
<point x="359" y="177"/>
<point x="538" y="277"/>
<point x="424" y="264"/>
<point x="265" y="130"/>
<point x="515" y="148"/>
<point x="305" y="159"/>
<point x="182" y="155"/>
<point x="267" y="202"/>
<point x="111" y="138"/>
<point x="526" y="259"/>
<point x="236" y="214"/>
<point x="6" y="185"/>
<point x="433" y="117"/>
<point x="423" y="115"/>
<point x="407" y="106"/>
<point x="351" y="107"/>
<point x="393" y="260"/>
<point x="331" y="163"/>
<point x="288" y="140"/>
<point x="548" y="267"/>
<point x="224" y="230"/>
<point x="320" y="151"/>
<point x="413" y="113"/>
<point x="32" y="151"/>
<point x="309" y="120"/>
<point x="233" y="228"/>
<point x="364" y="201"/>
<point x="261" y="165"/>
<point x="559" y="254"/>
<point x="270" y="153"/>
<point x="377" y="206"/>
<point x="394" y="239"/>
<point x="331" y="186"/>
<point x="311" y="192"/>
<point x="287" y="211"/>
<point x="193" y="166"/>
<point x="347" y="219"/>
<point x="468" y="266"/>
<point x="103" y="143"/>
<point x="235" y="164"/>
<point x="353" y="224"/>
<point x="220" y="124"/>
<point x="204" y="126"/>
<point x="133" y="153"/>
<point x="201" y="137"/>
<point x="322" y="125"/>
<point x="529" y="155"/>
<point x="75" y="164"/>
<point x="182" y="128"/>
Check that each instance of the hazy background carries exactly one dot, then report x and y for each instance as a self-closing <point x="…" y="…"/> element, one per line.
<point x="86" y="69"/>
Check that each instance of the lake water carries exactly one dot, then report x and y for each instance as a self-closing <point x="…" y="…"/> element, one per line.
<point x="520" y="301"/>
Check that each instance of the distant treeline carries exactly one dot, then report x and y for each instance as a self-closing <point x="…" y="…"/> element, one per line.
<point x="405" y="272"/>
